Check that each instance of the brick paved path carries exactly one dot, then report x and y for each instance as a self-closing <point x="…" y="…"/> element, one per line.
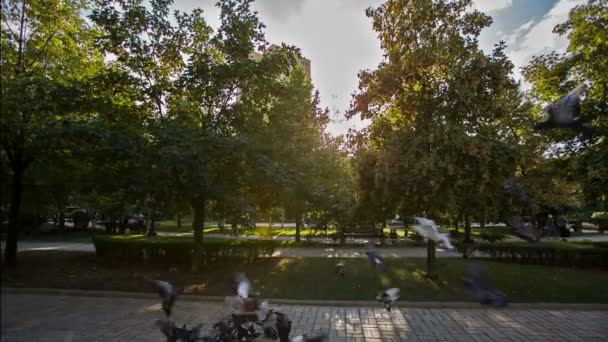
<point x="68" y="318"/>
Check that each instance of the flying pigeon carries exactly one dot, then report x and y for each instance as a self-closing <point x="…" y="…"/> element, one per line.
<point x="524" y="230"/>
<point x="374" y="258"/>
<point x="305" y="338"/>
<point x="512" y="189"/>
<point x="168" y="294"/>
<point x="243" y="285"/>
<point x="566" y="112"/>
<point x="340" y="269"/>
<point x="475" y="285"/>
<point x="388" y="297"/>
<point x="428" y="229"/>
<point x="175" y="334"/>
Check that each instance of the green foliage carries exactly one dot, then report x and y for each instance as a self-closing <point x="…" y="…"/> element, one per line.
<point x="599" y="216"/>
<point x="547" y="253"/>
<point x="444" y="114"/>
<point x="136" y="249"/>
<point x="553" y="75"/>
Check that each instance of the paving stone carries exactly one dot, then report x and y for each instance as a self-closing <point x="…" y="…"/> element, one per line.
<point x="71" y="318"/>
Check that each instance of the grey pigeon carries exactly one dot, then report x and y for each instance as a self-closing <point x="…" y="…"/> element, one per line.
<point x="476" y="286"/>
<point x="168" y="294"/>
<point x="283" y="326"/>
<point x="524" y="230"/>
<point x="566" y="112"/>
<point x="175" y="334"/>
<point x="388" y="297"/>
<point x="167" y="327"/>
<point x="374" y="258"/>
<point x="512" y="189"/>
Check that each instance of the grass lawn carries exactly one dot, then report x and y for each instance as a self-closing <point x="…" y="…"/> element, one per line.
<point x="300" y="278"/>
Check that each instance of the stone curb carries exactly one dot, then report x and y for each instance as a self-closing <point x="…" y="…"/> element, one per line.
<point x="187" y="297"/>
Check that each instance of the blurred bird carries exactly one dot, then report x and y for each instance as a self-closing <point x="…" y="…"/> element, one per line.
<point x="477" y="287"/>
<point x="224" y="332"/>
<point x="428" y="229"/>
<point x="283" y="326"/>
<point x="388" y="297"/>
<point x="305" y="338"/>
<point x="167" y="327"/>
<point x="243" y="285"/>
<point x="566" y="112"/>
<point x="374" y="258"/>
<point x="340" y="269"/>
<point x="168" y="294"/>
<point x="512" y="189"/>
<point x="524" y="230"/>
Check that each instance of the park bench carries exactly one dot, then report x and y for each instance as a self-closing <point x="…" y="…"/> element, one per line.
<point x="366" y="231"/>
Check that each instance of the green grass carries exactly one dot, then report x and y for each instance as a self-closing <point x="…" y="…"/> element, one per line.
<point x="292" y="278"/>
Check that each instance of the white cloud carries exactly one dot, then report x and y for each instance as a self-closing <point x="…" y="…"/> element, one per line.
<point x="536" y="37"/>
<point x="487" y="6"/>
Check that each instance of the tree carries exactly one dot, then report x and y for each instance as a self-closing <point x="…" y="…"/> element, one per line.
<point x="553" y="75"/>
<point x="441" y="109"/>
<point x="47" y="52"/>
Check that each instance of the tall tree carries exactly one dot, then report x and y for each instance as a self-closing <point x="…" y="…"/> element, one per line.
<point x="438" y="106"/>
<point x="553" y="75"/>
<point x="48" y="50"/>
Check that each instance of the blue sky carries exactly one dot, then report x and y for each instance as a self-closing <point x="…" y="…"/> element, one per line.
<point x="338" y="39"/>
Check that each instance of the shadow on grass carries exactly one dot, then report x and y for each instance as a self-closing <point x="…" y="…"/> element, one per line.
<point x="312" y="278"/>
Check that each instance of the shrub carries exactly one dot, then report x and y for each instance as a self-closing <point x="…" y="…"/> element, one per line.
<point x="548" y="253"/>
<point x="491" y="236"/>
<point x="176" y="250"/>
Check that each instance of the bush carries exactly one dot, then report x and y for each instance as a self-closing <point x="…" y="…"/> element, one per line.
<point x="491" y="236"/>
<point x="547" y="253"/>
<point x="176" y="250"/>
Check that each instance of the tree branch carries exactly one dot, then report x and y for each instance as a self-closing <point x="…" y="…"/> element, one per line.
<point x="40" y="51"/>
<point x="8" y="26"/>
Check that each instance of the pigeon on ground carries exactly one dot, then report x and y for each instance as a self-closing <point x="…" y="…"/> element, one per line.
<point x="168" y="294"/>
<point x="224" y="332"/>
<point x="167" y="327"/>
<point x="340" y="269"/>
<point x="476" y="286"/>
<point x="566" y="112"/>
<point x="374" y="258"/>
<point x="388" y="297"/>
<point x="524" y="230"/>
<point x="306" y="338"/>
<point x="283" y="326"/>
<point x="428" y="229"/>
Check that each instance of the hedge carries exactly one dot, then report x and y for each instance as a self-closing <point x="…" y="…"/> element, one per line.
<point x="176" y="250"/>
<point x="545" y="253"/>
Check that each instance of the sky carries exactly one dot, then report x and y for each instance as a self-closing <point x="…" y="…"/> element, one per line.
<point x="338" y="38"/>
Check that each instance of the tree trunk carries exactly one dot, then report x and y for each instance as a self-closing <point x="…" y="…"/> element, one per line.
<point x="298" y="226"/>
<point x="220" y="224"/>
<point x="178" y="218"/>
<point x="13" y="217"/>
<point x="61" y="219"/>
<point x="198" y="224"/>
<point x="467" y="228"/>
<point x="430" y="259"/>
